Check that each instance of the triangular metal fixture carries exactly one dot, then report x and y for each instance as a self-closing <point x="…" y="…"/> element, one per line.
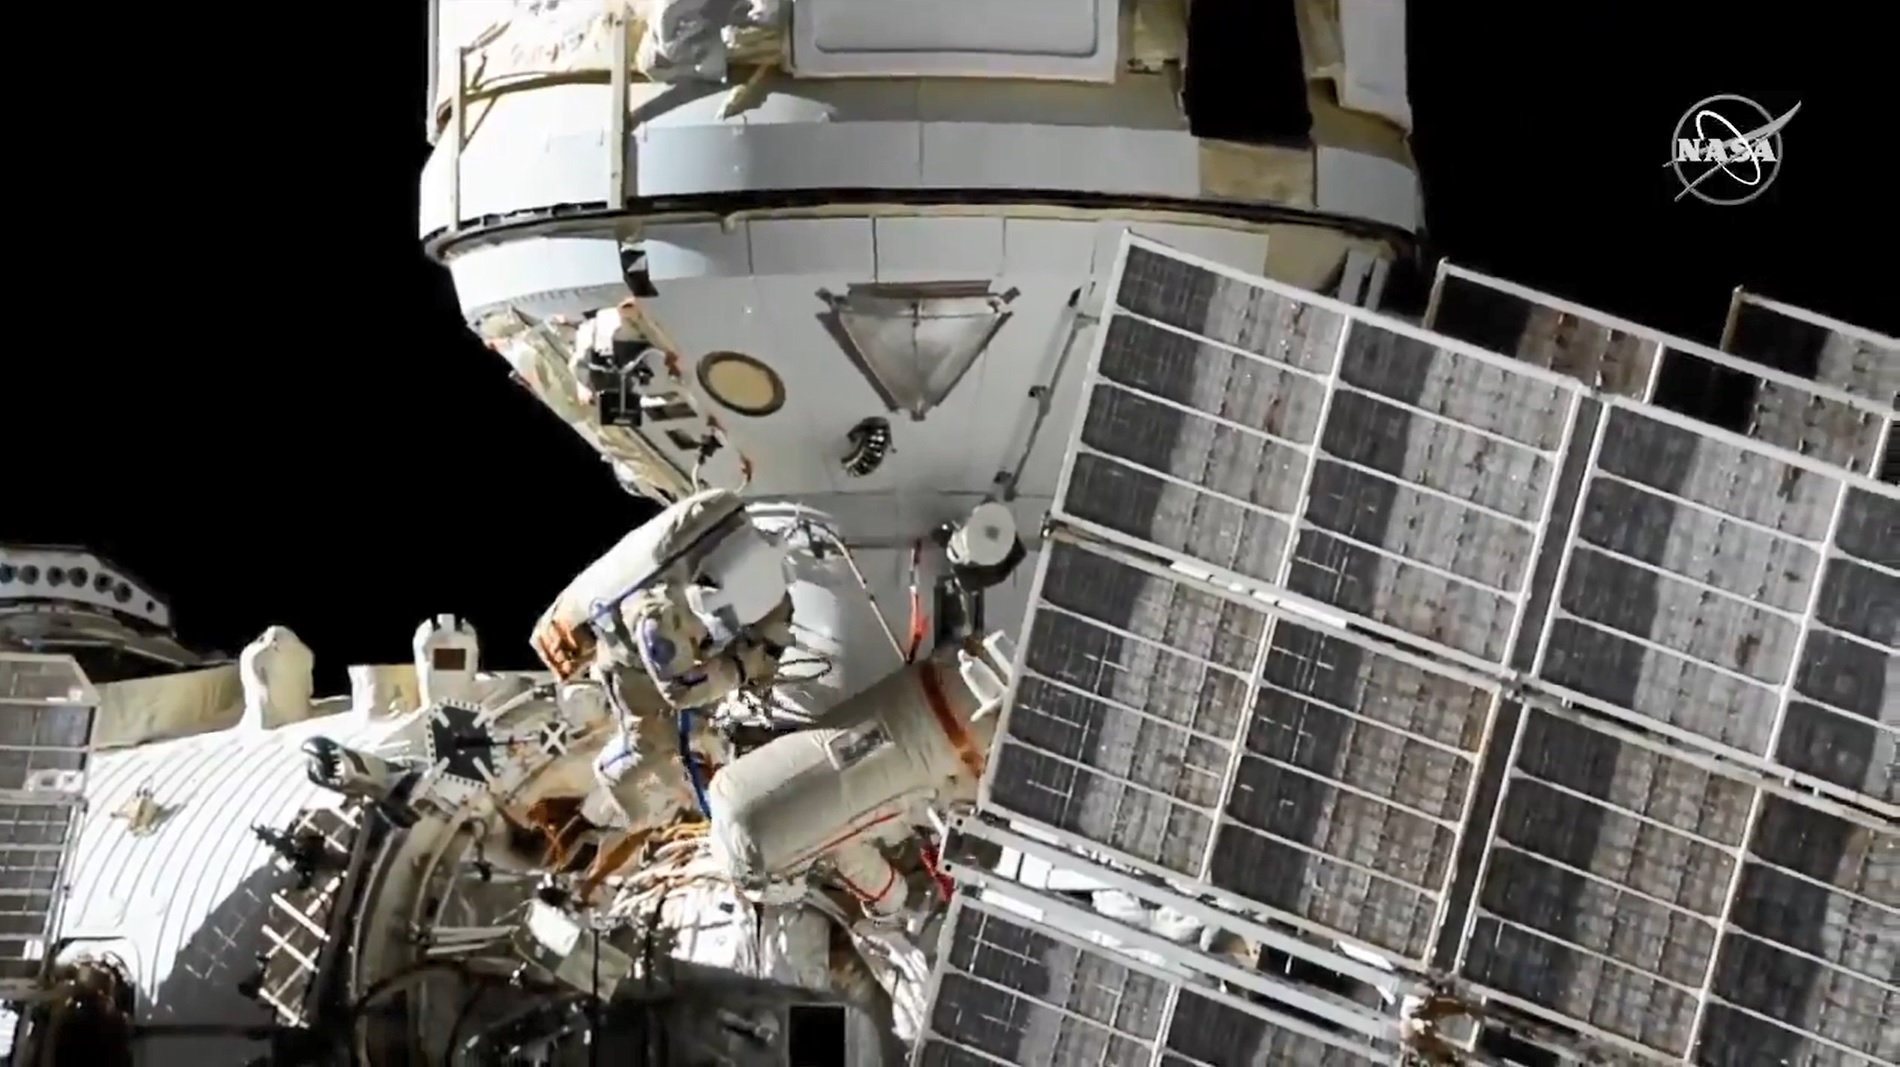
<point x="914" y="342"/>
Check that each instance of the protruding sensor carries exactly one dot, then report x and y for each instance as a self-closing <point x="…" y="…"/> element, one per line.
<point x="984" y="548"/>
<point x="870" y="442"/>
<point x="447" y="656"/>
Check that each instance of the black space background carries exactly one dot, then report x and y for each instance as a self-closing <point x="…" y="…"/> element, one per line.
<point x="231" y="369"/>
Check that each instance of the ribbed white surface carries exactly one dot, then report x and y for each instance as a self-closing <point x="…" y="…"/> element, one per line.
<point x="183" y="905"/>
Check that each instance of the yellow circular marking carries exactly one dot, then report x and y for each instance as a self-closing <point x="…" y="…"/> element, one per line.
<point x="742" y="383"/>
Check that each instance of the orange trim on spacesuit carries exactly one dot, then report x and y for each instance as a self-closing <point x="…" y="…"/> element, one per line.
<point x="946" y="716"/>
<point x="857" y="830"/>
<point x="561" y="648"/>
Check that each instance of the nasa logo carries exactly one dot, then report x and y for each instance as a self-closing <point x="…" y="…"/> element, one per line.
<point x="1727" y="149"/>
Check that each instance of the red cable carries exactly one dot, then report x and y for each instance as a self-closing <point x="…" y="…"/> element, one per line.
<point x="928" y="853"/>
<point x="916" y="605"/>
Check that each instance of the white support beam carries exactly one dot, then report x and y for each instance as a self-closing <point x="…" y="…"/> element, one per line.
<point x="618" y="101"/>
<point x="1393" y="983"/>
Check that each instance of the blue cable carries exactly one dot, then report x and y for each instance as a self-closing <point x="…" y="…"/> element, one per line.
<point x="691" y="764"/>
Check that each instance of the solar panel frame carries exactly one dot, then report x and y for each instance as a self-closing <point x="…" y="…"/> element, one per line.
<point x="1382" y="336"/>
<point x="48" y="712"/>
<point x="997" y="965"/>
<point x="975" y="963"/>
<point x="1888" y="348"/>
<point x="1040" y="845"/>
<point x="1749" y="313"/>
<point x="1311" y="343"/>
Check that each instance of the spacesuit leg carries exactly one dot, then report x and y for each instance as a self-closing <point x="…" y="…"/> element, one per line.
<point x="640" y="781"/>
<point x="871" y="878"/>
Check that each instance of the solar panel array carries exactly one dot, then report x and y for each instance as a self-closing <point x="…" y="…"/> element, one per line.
<point x="1481" y="661"/>
<point x="46" y="721"/>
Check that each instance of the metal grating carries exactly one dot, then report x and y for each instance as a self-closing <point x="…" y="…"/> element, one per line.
<point x="46" y="722"/>
<point x="1307" y="772"/>
<point x="1611" y="894"/>
<point x="1829" y="406"/>
<point x="298" y="921"/>
<point x="1010" y="990"/>
<point x="1424" y="648"/>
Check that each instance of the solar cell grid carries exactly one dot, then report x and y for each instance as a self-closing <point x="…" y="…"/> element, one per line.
<point x="1224" y="421"/>
<point x="1446" y="655"/>
<point x="1414" y="484"/>
<point x="1682" y="909"/>
<point x="1024" y="997"/>
<point x="1850" y="357"/>
<point x="1737" y="596"/>
<point x="1281" y="764"/>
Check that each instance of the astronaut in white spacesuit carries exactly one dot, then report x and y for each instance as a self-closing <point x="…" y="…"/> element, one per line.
<point x="699" y="639"/>
<point x="676" y="648"/>
<point x="696" y="601"/>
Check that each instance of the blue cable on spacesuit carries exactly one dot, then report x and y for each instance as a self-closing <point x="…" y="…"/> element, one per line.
<point x="659" y="651"/>
<point x="691" y="763"/>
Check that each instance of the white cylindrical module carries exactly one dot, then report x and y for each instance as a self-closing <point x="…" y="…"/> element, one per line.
<point x="843" y="643"/>
<point x="920" y="734"/>
<point x="703" y="186"/>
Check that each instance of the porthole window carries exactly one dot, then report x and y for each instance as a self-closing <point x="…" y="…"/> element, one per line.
<point x="741" y="383"/>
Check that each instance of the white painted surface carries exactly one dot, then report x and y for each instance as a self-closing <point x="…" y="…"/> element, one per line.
<point x="183" y="906"/>
<point x="753" y="287"/>
<point x="1066" y="39"/>
<point x="539" y="149"/>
